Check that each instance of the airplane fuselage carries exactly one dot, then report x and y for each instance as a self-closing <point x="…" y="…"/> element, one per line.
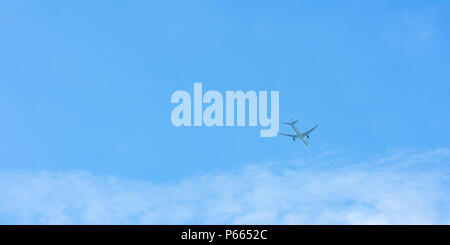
<point x="299" y="135"/>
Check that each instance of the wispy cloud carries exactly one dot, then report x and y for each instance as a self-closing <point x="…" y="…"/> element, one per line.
<point x="399" y="188"/>
<point x="420" y="25"/>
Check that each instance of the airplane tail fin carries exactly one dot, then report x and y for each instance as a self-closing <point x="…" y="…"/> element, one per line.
<point x="291" y="123"/>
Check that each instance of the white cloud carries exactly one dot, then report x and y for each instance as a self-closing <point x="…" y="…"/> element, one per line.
<point x="400" y="188"/>
<point x="420" y="24"/>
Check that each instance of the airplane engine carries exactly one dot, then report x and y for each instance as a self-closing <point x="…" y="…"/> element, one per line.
<point x="293" y="138"/>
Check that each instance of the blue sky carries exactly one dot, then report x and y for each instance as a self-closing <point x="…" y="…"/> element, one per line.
<point x="85" y="86"/>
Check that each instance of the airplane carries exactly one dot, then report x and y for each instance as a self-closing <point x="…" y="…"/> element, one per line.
<point x="297" y="134"/>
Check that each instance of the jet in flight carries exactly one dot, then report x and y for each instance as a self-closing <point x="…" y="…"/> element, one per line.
<point x="302" y="136"/>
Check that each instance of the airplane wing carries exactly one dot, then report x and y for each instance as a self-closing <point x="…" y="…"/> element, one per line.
<point x="290" y="135"/>
<point x="309" y="131"/>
